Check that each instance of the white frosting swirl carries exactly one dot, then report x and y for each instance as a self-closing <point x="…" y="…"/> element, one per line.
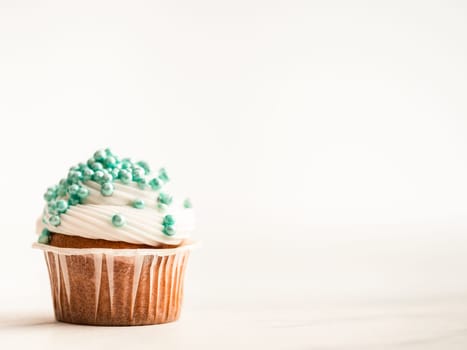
<point x="93" y="218"/>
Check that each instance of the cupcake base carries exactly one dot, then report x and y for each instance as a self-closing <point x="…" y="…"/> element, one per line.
<point x="116" y="287"/>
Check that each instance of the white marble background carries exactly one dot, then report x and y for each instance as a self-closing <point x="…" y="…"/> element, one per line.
<point x="323" y="144"/>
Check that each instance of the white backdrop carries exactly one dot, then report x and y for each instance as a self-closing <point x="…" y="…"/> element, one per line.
<point x="287" y="122"/>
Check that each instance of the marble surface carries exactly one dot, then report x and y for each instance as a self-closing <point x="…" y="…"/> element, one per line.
<point x="386" y="293"/>
<point x="430" y="324"/>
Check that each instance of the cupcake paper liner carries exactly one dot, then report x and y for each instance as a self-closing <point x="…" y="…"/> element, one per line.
<point x="116" y="287"/>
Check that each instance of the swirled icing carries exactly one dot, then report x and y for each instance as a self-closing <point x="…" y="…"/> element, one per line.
<point x="91" y="216"/>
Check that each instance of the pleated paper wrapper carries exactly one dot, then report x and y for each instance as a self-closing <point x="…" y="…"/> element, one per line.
<point x="116" y="287"/>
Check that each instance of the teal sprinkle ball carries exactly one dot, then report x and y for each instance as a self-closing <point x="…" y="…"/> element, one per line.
<point x="126" y="163"/>
<point x="115" y="171"/>
<point x="142" y="183"/>
<point x="74" y="176"/>
<point x="138" y="204"/>
<point x="155" y="184"/>
<point x="53" y="211"/>
<point x="138" y="173"/>
<point x="61" y="191"/>
<point x="145" y="166"/>
<point x="61" y="206"/>
<point x="73" y="200"/>
<point x="107" y="189"/>
<point x="50" y="194"/>
<point x="163" y="175"/>
<point x="44" y="237"/>
<point x="168" y="220"/>
<point x="110" y="162"/>
<point x="83" y="193"/>
<point x="54" y="220"/>
<point x="107" y="177"/>
<point x="118" y="220"/>
<point x="87" y="174"/>
<point x="52" y="204"/>
<point x="124" y="176"/>
<point x="73" y="189"/>
<point x="98" y="175"/>
<point x="97" y="166"/>
<point x="187" y="203"/>
<point x="164" y="198"/>
<point x="100" y="155"/>
<point x="168" y="231"/>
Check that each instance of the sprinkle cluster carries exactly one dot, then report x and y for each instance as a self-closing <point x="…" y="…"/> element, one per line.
<point x="106" y="168"/>
<point x="168" y="223"/>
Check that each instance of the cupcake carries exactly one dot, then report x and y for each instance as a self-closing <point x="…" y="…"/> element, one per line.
<point x="116" y="242"/>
